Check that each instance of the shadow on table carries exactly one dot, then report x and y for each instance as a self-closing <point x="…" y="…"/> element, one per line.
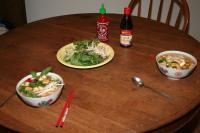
<point x="192" y="127"/>
<point x="6" y="130"/>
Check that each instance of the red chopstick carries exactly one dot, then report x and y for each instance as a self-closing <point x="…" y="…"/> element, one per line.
<point x="65" y="109"/>
<point x="64" y="117"/>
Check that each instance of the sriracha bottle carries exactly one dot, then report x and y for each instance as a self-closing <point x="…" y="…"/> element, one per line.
<point x="126" y="26"/>
<point x="102" y="25"/>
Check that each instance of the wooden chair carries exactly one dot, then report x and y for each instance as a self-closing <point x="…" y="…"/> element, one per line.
<point x="182" y="14"/>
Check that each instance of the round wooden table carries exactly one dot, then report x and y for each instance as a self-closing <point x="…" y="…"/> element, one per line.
<point x="106" y="100"/>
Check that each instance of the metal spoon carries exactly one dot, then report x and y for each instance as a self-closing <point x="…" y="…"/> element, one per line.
<point x="139" y="83"/>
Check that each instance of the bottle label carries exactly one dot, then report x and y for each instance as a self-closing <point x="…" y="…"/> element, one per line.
<point x="126" y="37"/>
<point x="102" y="31"/>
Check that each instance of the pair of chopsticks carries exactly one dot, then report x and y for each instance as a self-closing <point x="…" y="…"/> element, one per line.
<point x="64" y="111"/>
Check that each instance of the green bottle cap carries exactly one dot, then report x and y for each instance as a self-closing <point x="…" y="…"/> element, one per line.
<point x="102" y="10"/>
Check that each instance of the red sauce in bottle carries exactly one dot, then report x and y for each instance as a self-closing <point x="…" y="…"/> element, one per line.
<point x="102" y="25"/>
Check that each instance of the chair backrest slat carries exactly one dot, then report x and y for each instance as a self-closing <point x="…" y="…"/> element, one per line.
<point x="150" y="9"/>
<point x="160" y="11"/>
<point x="177" y="2"/>
<point x="139" y="8"/>
<point x="169" y="14"/>
<point x="178" y="20"/>
<point x="183" y="12"/>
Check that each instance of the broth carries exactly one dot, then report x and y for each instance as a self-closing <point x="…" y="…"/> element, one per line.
<point x="176" y="61"/>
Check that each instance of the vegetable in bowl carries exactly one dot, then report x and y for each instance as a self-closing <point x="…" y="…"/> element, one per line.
<point x="85" y="53"/>
<point x="176" y="61"/>
<point x="40" y="88"/>
<point x="40" y="84"/>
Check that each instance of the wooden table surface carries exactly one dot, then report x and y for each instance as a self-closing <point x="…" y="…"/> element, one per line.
<point x="106" y="101"/>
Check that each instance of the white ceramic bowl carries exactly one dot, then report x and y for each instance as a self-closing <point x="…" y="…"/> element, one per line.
<point x="40" y="101"/>
<point x="175" y="73"/>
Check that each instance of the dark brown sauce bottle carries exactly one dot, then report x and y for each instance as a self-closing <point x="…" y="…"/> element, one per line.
<point x="126" y="28"/>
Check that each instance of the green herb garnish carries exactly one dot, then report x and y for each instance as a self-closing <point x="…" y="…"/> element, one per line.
<point x="84" y="54"/>
<point x="46" y="71"/>
<point x="34" y="74"/>
<point x="27" y="93"/>
<point x="34" y="82"/>
<point x="162" y="60"/>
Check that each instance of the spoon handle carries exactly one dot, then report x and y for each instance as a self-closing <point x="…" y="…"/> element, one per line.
<point x="159" y="93"/>
<point x="7" y="99"/>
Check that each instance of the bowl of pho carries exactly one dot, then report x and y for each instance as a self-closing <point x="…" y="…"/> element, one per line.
<point x="176" y="64"/>
<point x="40" y="88"/>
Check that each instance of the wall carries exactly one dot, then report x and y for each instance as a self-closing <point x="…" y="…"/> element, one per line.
<point x="40" y="9"/>
<point x="194" y="29"/>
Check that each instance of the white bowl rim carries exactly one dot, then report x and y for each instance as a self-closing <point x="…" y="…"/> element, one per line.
<point x="28" y="76"/>
<point x="177" y="52"/>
